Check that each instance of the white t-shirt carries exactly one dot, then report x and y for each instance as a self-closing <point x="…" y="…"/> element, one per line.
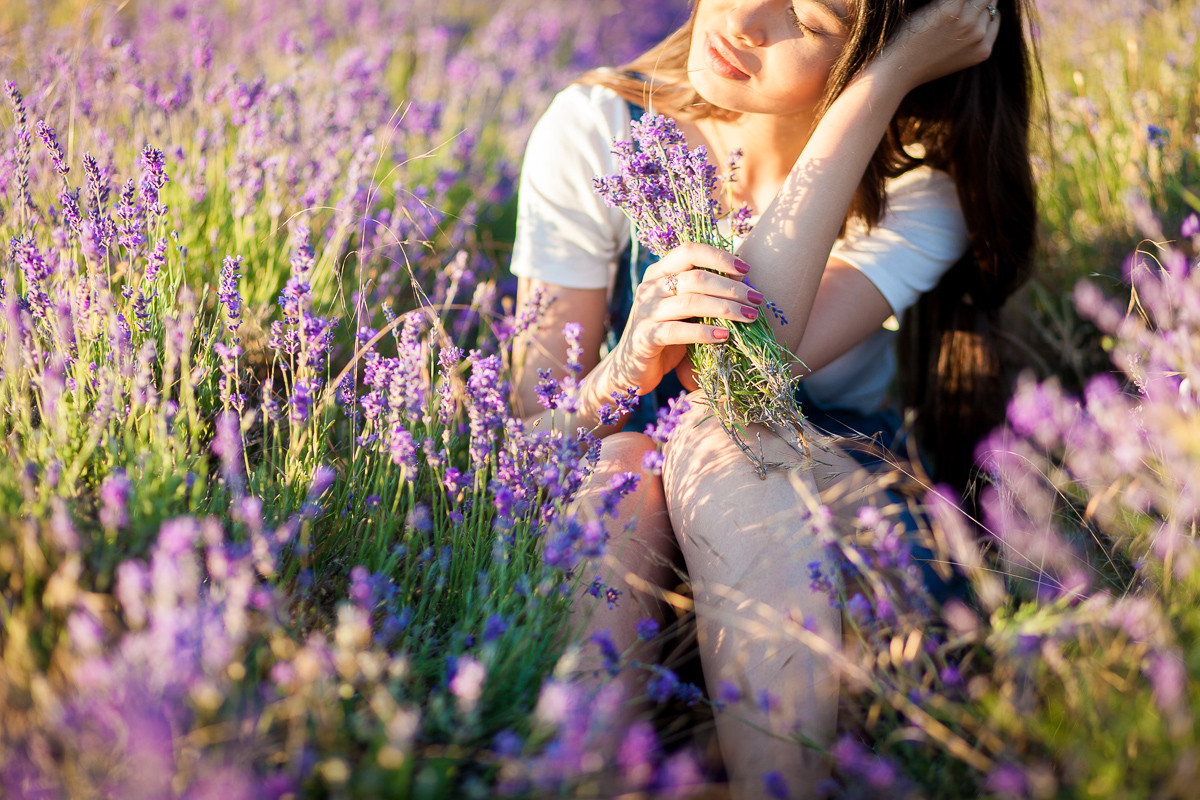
<point x="567" y="236"/>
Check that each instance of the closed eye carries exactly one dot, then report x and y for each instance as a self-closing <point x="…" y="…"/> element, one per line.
<point x="796" y="20"/>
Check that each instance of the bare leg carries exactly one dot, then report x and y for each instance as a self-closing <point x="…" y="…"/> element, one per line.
<point x="747" y="544"/>
<point x="638" y="559"/>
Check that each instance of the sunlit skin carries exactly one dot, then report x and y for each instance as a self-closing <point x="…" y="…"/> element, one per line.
<point x="743" y="539"/>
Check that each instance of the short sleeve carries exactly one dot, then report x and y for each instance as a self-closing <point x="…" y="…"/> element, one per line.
<point x="566" y="235"/>
<point x="922" y="234"/>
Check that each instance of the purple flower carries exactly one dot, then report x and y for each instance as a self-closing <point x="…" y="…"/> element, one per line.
<point x="229" y="295"/>
<point x="619" y="486"/>
<point x="303" y="259"/>
<point x="740" y="219"/>
<point x="467" y="682"/>
<point x="300" y="404"/>
<point x="728" y="692"/>
<point x="153" y="180"/>
<point x="679" y="776"/>
<point x="227" y="442"/>
<point x="637" y="755"/>
<point x="608" y="650"/>
<point x="50" y="139"/>
<point x="507" y="744"/>
<point x="860" y="609"/>
<point x="647" y="628"/>
<point x="668" y="419"/>
<point x="114" y="500"/>
<point x="1008" y="781"/>
<point x="1190" y="226"/>
<point x="549" y="390"/>
<point x="323" y="477"/>
<point x="97" y="186"/>
<point x="1169" y="678"/>
<point x="494" y="628"/>
<point x="775" y="785"/>
<point x="662" y="685"/>
<point x="624" y="402"/>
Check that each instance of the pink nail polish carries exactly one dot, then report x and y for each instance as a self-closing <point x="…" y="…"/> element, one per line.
<point x="750" y="312"/>
<point x="740" y="266"/>
<point x="720" y="334"/>
<point x="755" y="296"/>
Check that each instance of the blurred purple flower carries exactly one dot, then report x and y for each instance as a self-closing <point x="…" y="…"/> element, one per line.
<point x="1190" y="226"/>
<point x="114" y="500"/>
<point x="647" y="628"/>
<point x="638" y="755"/>
<point x="495" y="627"/>
<point x="775" y="785"/>
<point x="608" y="650"/>
<point x="662" y="685"/>
<point x="1008" y="781"/>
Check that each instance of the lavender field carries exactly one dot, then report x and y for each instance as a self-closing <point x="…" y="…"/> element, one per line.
<point x="269" y="527"/>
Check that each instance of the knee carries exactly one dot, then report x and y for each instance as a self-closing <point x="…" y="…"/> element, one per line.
<point x="624" y="452"/>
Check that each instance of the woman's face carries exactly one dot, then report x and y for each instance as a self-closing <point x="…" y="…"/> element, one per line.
<point x="766" y="56"/>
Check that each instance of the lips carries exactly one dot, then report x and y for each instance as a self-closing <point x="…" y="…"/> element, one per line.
<point x="723" y="59"/>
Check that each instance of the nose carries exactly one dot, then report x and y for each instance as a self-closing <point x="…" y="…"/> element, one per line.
<point x="746" y="22"/>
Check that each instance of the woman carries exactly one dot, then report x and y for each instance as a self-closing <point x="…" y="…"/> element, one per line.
<point x="886" y="162"/>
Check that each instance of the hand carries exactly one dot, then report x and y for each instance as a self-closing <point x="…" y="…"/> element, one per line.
<point x="942" y="38"/>
<point x="673" y="294"/>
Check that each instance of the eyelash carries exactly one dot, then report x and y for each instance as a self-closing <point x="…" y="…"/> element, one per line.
<point x="796" y="20"/>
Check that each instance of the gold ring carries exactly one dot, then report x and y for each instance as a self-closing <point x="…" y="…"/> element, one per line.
<point x="673" y="283"/>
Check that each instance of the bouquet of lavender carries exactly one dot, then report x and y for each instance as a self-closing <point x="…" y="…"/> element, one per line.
<point x="667" y="191"/>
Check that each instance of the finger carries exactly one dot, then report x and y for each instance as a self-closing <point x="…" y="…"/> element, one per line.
<point x="665" y="334"/>
<point x="693" y="254"/>
<point x="699" y="305"/>
<point x="703" y="282"/>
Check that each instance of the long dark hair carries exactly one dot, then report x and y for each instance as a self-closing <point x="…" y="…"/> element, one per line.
<point x="974" y="125"/>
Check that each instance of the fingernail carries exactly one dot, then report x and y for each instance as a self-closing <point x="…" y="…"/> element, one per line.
<point x="749" y="312"/>
<point x="720" y="333"/>
<point x="740" y="266"/>
<point x="755" y="296"/>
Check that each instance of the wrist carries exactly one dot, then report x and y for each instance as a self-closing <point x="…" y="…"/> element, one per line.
<point x="890" y="74"/>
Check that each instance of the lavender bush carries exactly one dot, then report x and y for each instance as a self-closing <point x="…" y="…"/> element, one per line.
<point x="269" y="529"/>
<point x="1069" y="669"/>
<point x="267" y="524"/>
<point x="1120" y="133"/>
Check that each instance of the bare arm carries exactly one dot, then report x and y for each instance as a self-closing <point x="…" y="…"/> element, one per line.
<point x="544" y="348"/>
<point x="790" y="245"/>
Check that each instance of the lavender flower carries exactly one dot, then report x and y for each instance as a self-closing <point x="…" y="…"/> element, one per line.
<point x="50" y="139"/>
<point x="608" y="651"/>
<point x="495" y="627"/>
<point x="663" y="684"/>
<point x="230" y="296"/>
<point x="130" y="222"/>
<point x="97" y="186"/>
<point x="114" y="500"/>
<point x="647" y="628"/>
<point x="153" y="180"/>
<point x="775" y="785"/>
